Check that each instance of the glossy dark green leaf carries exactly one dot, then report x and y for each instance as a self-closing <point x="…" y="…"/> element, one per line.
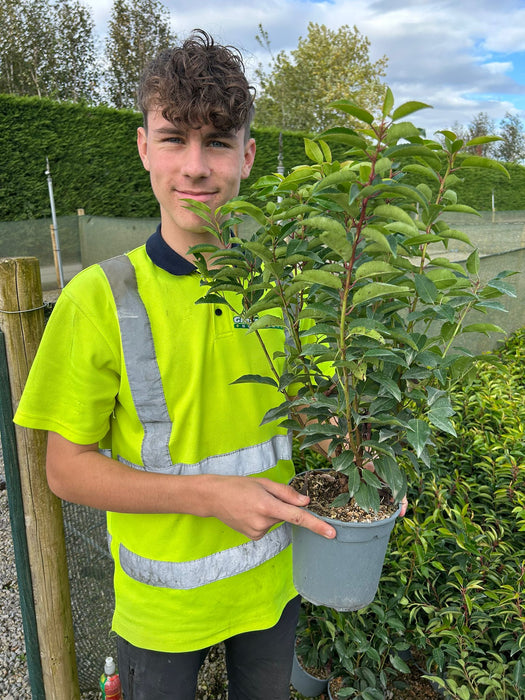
<point x="255" y="379"/>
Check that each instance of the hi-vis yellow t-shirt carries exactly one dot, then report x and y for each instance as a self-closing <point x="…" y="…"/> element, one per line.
<point x="78" y="387"/>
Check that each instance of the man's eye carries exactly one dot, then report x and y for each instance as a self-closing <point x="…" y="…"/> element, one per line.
<point x="219" y="144"/>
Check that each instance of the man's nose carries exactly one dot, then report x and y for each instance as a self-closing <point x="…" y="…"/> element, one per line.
<point x="195" y="163"/>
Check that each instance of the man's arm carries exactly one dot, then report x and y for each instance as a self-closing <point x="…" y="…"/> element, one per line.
<point x="250" y="505"/>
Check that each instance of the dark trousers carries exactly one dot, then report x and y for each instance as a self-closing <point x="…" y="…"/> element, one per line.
<point x="259" y="665"/>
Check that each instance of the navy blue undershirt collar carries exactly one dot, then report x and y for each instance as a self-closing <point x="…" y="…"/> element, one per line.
<point x="165" y="257"/>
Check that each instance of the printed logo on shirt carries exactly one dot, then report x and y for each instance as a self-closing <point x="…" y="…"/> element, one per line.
<point x="239" y="322"/>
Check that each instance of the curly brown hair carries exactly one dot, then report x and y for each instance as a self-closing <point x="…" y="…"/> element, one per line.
<point x="197" y="83"/>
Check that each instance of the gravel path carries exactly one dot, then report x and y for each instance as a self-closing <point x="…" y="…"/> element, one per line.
<point x="14" y="680"/>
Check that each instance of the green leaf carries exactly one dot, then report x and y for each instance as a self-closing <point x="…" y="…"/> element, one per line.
<point x="426" y="289"/>
<point x="371" y="233"/>
<point x="326" y="224"/>
<point x="472" y="262"/>
<point x="390" y="211"/>
<point x="296" y="177"/>
<point x="276" y="413"/>
<point x="482" y="328"/>
<point x="480" y="140"/>
<point x="371" y="479"/>
<point x="259" y="249"/>
<point x="502" y="287"/>
<point x="388" y="102"/>
<point x="418" y="434"/>
<point x="455" y="235"/>
<point x="461" y="209"/>
<point x="346" y="136"/>
<point x="422" y="170"/>
<point x="481" y="162"/>
<point x="410" y="150"/>
<point x="243" y="207"/>
<point x="266" y="321"/>
<point x="385" y="382"/>
<point x="343" y="175"/>
<point x="255" y="379"/>
<point x="423" y="239"/>
<point x="313" y="151"/>
<point x="398" y="663"/>
<point x="409" y="108"/>
<point x="367" y="496"/>
<point x="439" y="416"/>
<point x="375" y="268"/>
<point x="326" y="279"/>
<point x="350" y="108"/>
<point x="354" y="480"/>
<point x="338" y="242"/>
<point x="403" y="130"/>
<point x="340" y="500"/>
<point x="378" y="289"/>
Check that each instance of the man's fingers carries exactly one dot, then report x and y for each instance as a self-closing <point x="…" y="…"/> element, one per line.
<point x="303" y="518"/>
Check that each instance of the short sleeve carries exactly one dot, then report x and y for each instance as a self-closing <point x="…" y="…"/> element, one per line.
<point x="75" y="377"/>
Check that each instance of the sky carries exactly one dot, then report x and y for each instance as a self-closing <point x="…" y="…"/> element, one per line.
<point x="460" y="56"/>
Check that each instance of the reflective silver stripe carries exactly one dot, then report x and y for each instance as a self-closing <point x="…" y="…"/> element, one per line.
<point x="200" y="572"/>
<point x="148" y="396"/>
<point x="141" y="361"/>
<point x="248" y="460"/>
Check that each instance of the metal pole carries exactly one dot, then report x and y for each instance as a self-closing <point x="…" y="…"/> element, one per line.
<point x="54" y="228"/>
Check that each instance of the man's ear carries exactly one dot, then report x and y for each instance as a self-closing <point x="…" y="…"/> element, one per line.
<point x="249" y="157"/>
<point x="142" y="145"/>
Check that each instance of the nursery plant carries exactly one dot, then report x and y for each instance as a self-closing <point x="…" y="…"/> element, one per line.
<point x="315" y="638"/>
<point x="349" y="257"/>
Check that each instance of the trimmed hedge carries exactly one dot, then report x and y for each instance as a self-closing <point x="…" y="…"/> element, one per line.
<point x="95" y="166"/>
<point x="93" y="159"/>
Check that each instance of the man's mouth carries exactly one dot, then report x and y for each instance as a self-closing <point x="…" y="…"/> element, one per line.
<point x="198" y="196"/>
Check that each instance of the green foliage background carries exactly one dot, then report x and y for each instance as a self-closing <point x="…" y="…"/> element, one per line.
<point x="95" y="165"/>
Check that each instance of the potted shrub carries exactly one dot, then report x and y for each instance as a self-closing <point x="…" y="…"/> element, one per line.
<point x="349" y="257"/>
<point x="314" y="649"/>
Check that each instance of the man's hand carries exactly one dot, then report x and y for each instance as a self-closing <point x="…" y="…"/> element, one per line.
<point x="253" y="505"/>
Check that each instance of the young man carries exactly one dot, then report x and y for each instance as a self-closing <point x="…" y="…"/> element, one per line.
<point x="133" y="384"/>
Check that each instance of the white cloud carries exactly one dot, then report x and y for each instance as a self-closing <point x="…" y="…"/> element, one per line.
<point x="458" y="56"/>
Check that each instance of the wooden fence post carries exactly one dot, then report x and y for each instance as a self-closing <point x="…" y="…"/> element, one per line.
<point x="22" y="322"/>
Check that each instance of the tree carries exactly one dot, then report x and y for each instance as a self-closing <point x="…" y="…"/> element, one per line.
<point x="47" y="49"/>
<point x="137" y="32"/>
<point x="326" y="66"/>
<point x="27" y="39"/>
<point x="76" y="75"/>
<point x="511" y="148"/>
<point x="481" y="125"/>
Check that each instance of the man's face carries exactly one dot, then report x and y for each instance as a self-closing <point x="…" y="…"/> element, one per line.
<point x="185" y="163"/>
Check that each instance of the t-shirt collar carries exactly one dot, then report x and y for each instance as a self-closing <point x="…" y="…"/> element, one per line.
<point x="165" y="257"/>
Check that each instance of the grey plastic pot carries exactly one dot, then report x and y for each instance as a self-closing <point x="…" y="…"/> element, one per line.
<point x="342" y="573"/>
<point x="305" y="683"/>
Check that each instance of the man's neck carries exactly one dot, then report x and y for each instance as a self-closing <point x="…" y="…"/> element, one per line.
<point x="182" y="241"/>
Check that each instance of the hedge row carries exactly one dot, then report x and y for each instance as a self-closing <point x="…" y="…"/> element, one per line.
<point x="95" y="166"/>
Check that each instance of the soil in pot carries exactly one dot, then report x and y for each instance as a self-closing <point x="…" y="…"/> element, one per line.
<point x="325" y="486"/>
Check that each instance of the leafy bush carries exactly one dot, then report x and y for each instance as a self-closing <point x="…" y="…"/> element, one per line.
<point x="453" y="586"/>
